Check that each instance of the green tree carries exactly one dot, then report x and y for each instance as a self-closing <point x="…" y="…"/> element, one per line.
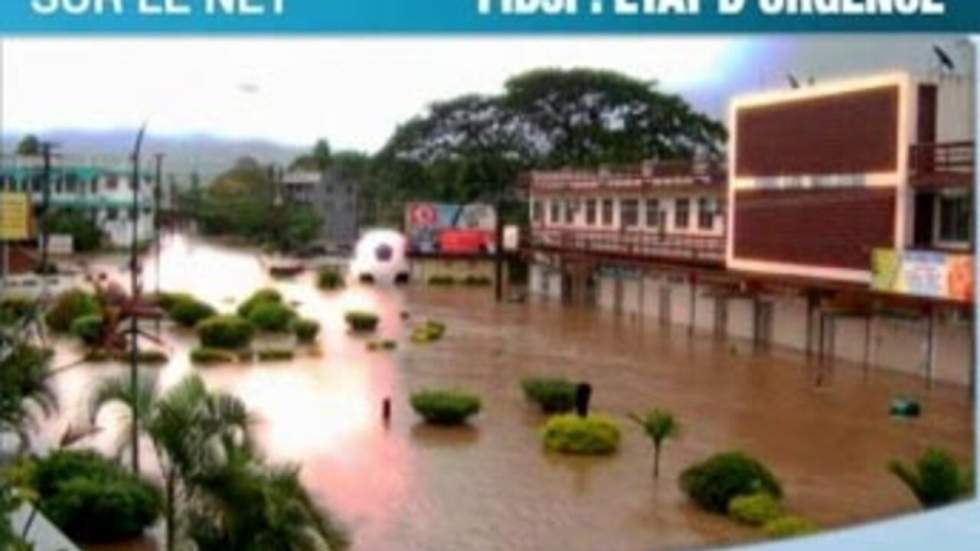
<point x="25" y="390"/>
<point x="935" y="479"/>
<point x="29" y="146"/>
<point x="318" y="159"/>
<point x="659" y="425"/>
<point x="86" y="235"/>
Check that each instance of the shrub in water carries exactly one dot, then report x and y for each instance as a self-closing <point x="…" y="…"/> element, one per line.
<point x="551" y="394"/>
<point x="789" y="527"/>
<point x="262" y="296"/>
<point x="306" y="330"/>
<point x="445" y="407"/>
<point x="430" y="332"/>
<point x="477" y="281"/>
<point x="275" y="355"/>
<point x="208" y="356"/>
<point x="755" y="510"/>
<point x="936" y="479"/>
<point x="88" y="328"/>
<point x="188" y="311"/>
<point x="713" y="483"/>
<point x="442" y="280"/>
<point x="68" y="307"/>
<point x="166" y="300"/>
<point x="329" y="278"/>
<point x="228" y="332"/>
<point x="272" y="317"/>
<point x="362" y="321"/>
<point x="596" y="434"/>
<point x="93" y="499"/>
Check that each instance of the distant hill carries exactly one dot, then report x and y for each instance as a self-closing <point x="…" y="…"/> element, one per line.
<point x="206" y="154"/>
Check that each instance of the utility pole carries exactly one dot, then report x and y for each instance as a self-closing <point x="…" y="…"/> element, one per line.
<point x="46" y="153"/>
<point x="134" y="289"/>
<point x="157" y="199"/>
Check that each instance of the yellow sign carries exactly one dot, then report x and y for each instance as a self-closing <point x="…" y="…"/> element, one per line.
<point x="15" y="216"/>
<point x="924" y="274"/>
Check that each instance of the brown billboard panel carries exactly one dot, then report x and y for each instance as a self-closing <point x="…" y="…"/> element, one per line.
<point x="828" y="228"/>
<point x="847" y="133"/>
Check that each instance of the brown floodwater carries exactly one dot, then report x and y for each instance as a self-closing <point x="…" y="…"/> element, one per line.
<point x="490" y="486"/>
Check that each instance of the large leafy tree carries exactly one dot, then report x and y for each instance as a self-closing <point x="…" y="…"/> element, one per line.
<point x="29" y="145"/>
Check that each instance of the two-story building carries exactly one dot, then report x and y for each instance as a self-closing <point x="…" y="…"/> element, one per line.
<point x="333" y="195"/>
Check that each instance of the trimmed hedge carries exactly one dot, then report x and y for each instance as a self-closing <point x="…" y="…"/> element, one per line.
<point x="596" y="434"/>
<point x="477" y="281"/>
<point x="306" y="330"/>
<point x="88" y="328"/>
<point x="714" y="483"/>
<point x="431" y="331"/>
<point x="188" y="312"/>
<point x="262" y="296"/>
<point x="362" y="322"/>
<point x="225" y="332"/>
<point x="551" y="394"/>
<point x="208" y="356"/>
<point x="166" y="300"/>
<point x="272" y="317"/>
<point x="442" y="281"/>
<point x="68" y="307"/>
<point x="445" y="407"/>
<point x="789" y="527"/>
<point x="329" y="279"/>
<point x="92" y="499"/>
<point x="755" y="510"/>
<point x="275" y="355"/>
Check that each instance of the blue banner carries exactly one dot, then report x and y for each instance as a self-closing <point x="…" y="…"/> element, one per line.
<point x="484" y="16"/>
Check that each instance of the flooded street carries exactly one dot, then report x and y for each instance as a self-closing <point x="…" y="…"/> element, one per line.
<point x="490" y="486"/>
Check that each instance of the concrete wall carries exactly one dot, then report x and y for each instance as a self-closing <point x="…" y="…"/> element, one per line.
<point x="894" y="344"/>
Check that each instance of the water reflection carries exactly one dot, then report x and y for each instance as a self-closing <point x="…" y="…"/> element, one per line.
<point x="490" y="486"/>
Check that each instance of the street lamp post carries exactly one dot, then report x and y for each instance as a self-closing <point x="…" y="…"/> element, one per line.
<point x="134" y="270"/>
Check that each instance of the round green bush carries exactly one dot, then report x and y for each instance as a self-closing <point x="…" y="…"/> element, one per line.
<point x="188" y="312"/>
<point x="789" y="527"/>
<point x="68" y="307"/>
<point x="551" y="394"/>
<point x="166" y="300"/>
<point x="88" y="328"/>
<point x="262" y="296"/>
<point x="477" y="281"/>
<point x="209" y="356"/>
<point x="329" y="278"/>
<point x="92" y="499"/>
<point x="306" y="330"/>
<point x="272" y="317"/>
<point x="754" y="510"/>
<point x="445" y="407"/>
<point x="362" y="321"/>
<point x="596" y="434"/>
<point x="275" y="355"/>
<point x="713" y="483"/>
<point x="225" y="332"/>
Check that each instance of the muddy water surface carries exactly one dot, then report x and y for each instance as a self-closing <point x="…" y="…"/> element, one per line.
<point x="489" y="486"/>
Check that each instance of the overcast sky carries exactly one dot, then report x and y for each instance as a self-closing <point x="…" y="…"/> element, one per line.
<point x="355" y="91"/>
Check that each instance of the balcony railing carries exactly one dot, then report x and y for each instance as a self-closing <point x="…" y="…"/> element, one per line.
<point x="630" y="245"/>
<point x="634" y="177"/>
<point x="940" y="164"/>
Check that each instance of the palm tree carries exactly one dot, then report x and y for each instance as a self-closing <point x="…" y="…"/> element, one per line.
<point x="936" y="479"/>
<point x="25" y="374"/>
<point x="191" y="430"/>
<point x="659" y="425"/>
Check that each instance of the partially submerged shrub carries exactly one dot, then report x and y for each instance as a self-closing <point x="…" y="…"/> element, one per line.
<point x="551" y="394"/>
<point x="713" y="483"/>
<point x="272" y="317"/>
<point x="388" y="345"/>
<point x="442" y="280"/>
<point x="92" y="499"/>
<point x="227" y="332"/>
<point x="262" y="296"/>
<point x="89" y="328"/>
<point x="936" y="479"/>
<point x="789" y="527"/>
<point x="306" y="330"/>
<point x="151" y="357"/>
<point x="445" y="407"/>
<point x="596" y="434"/>
<point x="208" y="356"/>
<point x="188" y="311"/>
<point x="477" y="281"/>
<point x="431" y="331"/>
<point x="329" y="278"/>
<point x="166" y="300"/>
<point x="68" y="307"/>
<point x="275" y="355"/>
<point x="755" y="510"/>
<point x="361" y="321"/>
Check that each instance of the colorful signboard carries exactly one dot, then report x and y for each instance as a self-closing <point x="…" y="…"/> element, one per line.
<point x="924" y="274"/>
<point x="441" y="228"/>
<point x="15" y="216"/>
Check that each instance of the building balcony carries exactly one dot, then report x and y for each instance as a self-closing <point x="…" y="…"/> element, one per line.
<point x="645" y="178"/>
<point x="942" y="165"/>
<point x="639" y="246"/>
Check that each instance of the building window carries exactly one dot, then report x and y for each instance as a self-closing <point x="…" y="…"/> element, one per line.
<point x="653" y="213"/>
<point x="570" y="208"/>
<point x="555" y="208"/>
<point x="111" y="214"/>
<point x="607" y="212"/>
<point x="706" y="213"/>
<point x="953" y="219"/>
<point x="590" y="212"/>
<point x="112" y="182"/>
<point x="682" y="213"/>
<point x="629" y="213"/>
